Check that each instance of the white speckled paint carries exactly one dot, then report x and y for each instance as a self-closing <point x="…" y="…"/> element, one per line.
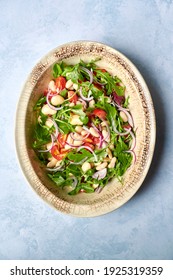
<point x="142" y="228"/>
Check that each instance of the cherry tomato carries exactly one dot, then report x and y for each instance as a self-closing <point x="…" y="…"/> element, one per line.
<point x="55" y="151"/>
<point x="100" y="113"/>
<point x="88" y="140"/>
<point x="96" y="140"/>
<point x="73" y="95"/>
<point x="62" y="139"/>
<point x="60" y="82"/>
<point x="56" y="154"/>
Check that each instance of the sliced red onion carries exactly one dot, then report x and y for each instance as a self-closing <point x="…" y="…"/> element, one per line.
<point x="51" y="106"/>
<point x="83" y="137"/>
<point x="129" y="117"/>
<point x="108" y="130"/>
<point x="121" y="133"/>
<point x="89" y="149"/>
<point x="98" y="189"/>
<point x="58" y="168"/>
<point x="83" y="97"/>
<point x="83" y="102"/>
<point x="133" y="145"/>
<point x="45" y="151"/>
<point x="101" y="174"/>
<point x="73" y="146"/>
<point x="133" y="154"/>
<point x="93" y="125"/>
<point x="79" y="162"/>
<point x="89" y="73"/>
<point x="85" y="128"/>
<point x="56" y="127"/>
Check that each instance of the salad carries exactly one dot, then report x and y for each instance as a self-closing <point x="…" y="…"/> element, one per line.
<point x="84" y="134"/>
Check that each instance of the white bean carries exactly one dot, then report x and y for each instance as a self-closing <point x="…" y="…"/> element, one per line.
<point x="52" y="163"/>
<point x="46" y="110"/>
<point x="84" y="132"/>
<point x="109" y="153"/>
<point x="123" y="116"/>
<point x="69" y="84"/>
<point x="75" y="120"/>
<point x="91" y="103"/>
<point x="101" y="166"/>
<point x="105" y="135"/>
<point x="94" y="132"/>
<point x="86" y="166"/>
<point x="75" y="86"/>
<point x="112" y="163"/>
<point x="48" y="123"/>
<point x="78" y="129"/>
<point x="57" y="100"/>
<point x="52" y="86"/>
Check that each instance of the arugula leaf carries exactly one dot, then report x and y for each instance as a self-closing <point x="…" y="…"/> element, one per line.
<point x="41" y="136"/>
<point x="76" y="157"/>
<point x="39" y="103"/>
<point x="64" y="126"/>
<point x="57" y="69"/>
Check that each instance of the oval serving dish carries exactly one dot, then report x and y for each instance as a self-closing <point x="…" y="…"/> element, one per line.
<point x="115" y="194"/>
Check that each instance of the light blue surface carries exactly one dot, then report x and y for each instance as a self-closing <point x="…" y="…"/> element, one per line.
<point x="143" y="227"/>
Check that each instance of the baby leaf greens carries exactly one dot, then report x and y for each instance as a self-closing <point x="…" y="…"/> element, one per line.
<point x="84" y="133"/>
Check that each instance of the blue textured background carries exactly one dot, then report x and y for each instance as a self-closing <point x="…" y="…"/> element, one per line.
<point x="142" y="228"/>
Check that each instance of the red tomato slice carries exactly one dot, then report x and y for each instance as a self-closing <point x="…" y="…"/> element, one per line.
<point x="60" y="82"/>
<point x="96" y="140"/>
<point x="88" y="140"/>
<point x="62" y="139"/>
<point x="100" y="113"/>
<point x="56" y="154"/>
<point x="73" y="95"/>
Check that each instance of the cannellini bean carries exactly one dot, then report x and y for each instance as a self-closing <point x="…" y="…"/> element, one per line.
<point x="111" y="146"/>
<point x="77" y="143"/>
<point x="46" y="110"/>
<point x="95" y="186"/>
<point x="48" y="145"/>
<point x="78" y="129"/>
<point x="94" y="132"/>
<point x="101" y="166"/>
<point x="78" y="136"/>
<point x="104" y="145"/>
<point x="58" y="163"/>
<point x="104" y="123"/>
<point x="70" y="141"/>
<point x="84" y="132"/>
<point x="57" y="100"/>
<point x="52" y="163"/>
<point x="105" y="135"/>
<point x="51" y="86"/>
<point x="79" y="103"/>
<point x="107" y="159"/>
<point x="75" y="86"/>
<point x="75" y="120"/>
<point x="69" y="84"/>
<point x="123" y="116"/>
<point x="86" y="166"/>
<point x="39" y="119"/>
<point x="71" y="104"/>
<point x="92" y="103"/>
<point x="112" y="163"/>
<point x="49" y="123"/>
<point x="109" y="153"/>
